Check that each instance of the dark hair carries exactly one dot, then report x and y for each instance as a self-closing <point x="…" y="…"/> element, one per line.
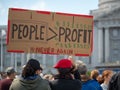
<point x="10" y="70"/>
<point x="64" y="73"/>
<point x="30" y="68"/>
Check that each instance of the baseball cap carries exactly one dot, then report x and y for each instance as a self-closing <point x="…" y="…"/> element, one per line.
<point x="34" y="64"/>
<point x="63" y="63"/>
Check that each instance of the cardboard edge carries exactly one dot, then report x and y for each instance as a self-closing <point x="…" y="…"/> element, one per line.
<point x="43" y="12"/>
<point x="70" y="14"/>
<point x="82" y="55"/>
<point x="16" y="51"/>
<point x="7" y="40"/>
<point x="18" y="9"/>
<point x="51" y="53"/>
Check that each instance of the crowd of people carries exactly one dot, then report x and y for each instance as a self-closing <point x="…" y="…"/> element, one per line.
<point x="71" y="75"/>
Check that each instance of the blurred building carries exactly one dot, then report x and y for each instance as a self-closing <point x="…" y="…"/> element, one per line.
<point x="106" y="49"/>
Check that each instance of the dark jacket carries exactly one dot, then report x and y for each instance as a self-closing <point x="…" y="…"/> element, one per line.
<point x="114" y="83"/>
<point x="65" y="84"/>
<point x="35" y="84"/>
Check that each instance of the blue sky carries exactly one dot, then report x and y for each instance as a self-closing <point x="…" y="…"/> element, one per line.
<point x="66" y="6"/>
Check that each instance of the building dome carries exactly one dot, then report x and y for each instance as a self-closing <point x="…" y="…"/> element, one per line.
<point x="109" y="3"/>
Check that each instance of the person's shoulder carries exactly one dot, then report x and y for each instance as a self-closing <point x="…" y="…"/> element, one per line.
<point x="116" y="74"/>
<point x="94" y="82"/>
<point x="2" y="80"/>
<point x="87" y="85"/>
<point x="5" y="80"/>
<point x="77" y="80"/>
<point x="115" y="77"/>
<point x="87" y="82"/>
<point x="16" y="80"/>
<point x="53" y="81"/>
<point x="41" y="80"/>
<point x="103" y="85"/>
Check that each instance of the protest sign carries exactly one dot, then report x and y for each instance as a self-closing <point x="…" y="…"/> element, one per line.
<point x="46" y="32"/>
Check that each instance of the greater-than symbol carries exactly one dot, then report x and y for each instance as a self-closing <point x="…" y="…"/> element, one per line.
<point x="49" y="38"/>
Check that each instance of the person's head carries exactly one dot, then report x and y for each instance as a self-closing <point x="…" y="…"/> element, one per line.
<point x="107" y="74"/>
<point x="10" y="72"/>
<point x="64" y="67"/>
<point x="100" y="79"/>
<point x="81" y="67"/>
<point x="31" y="68"/>
<point x="94" y="74"/>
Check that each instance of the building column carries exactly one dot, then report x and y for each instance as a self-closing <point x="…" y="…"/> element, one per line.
<point x="107" y="43"/>
<point x="54" y="59"/>
<point x="22" y="59"/>
<point x="100" y="45"/>
<point x="12" y="59"/>
<point x="15" y="61"/>
<point x="28" y="56"/>
<point x="22" y="62"/>
<point x="44" y="60"/>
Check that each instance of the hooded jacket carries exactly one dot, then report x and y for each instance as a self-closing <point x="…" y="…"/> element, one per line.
<point x="25" y="84"/>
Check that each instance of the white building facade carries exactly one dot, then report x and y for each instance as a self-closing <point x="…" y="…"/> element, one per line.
<point x="106" y="33"/>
